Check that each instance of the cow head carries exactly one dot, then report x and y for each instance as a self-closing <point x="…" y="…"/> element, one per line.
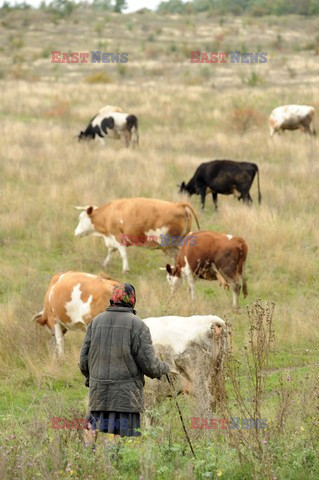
<point x="187" y="188"/>
<point x="85" y="226"/>
<point x="81" y="136"/>
<point x="172" y="277"/>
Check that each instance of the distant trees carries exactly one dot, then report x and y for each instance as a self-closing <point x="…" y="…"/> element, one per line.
<point x="172" y="6"/>
<point x="240" y="7"/>
<point x="102" y="4"/>
<point x="119" y="6"/>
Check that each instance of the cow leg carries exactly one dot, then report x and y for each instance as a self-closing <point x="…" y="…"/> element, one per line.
<point x="59" y="339"/>
<point x="123" y="253"/>
<point x="109" y="256"/>
<point x="236" y="291"/>
<point x="247" y="198"/>
<point x="202" y="192"/>
<point x="127" y="138"/>
<point x="188" y="275"/>
<point x="307" y="129"/>
<point x="214" y="195"/>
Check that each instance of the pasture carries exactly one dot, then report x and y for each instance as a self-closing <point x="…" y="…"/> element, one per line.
<point x="187" y="114"/>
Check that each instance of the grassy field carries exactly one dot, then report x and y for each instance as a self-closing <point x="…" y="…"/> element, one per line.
<point x="187" y="114"/>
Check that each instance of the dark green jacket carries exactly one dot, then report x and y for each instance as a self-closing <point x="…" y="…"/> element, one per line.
<point x="116" y="354"/>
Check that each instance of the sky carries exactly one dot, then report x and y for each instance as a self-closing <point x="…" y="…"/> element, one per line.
<point x="133" y="5"/>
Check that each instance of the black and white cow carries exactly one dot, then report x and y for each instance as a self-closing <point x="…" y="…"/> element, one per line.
<point x="225" y="177"/>
<point x="115" y="124"/>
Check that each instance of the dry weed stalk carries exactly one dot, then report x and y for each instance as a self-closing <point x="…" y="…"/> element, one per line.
<point x="245" y="402"/>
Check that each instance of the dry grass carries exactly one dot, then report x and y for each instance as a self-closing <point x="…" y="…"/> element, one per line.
<point x="44" y="171"/>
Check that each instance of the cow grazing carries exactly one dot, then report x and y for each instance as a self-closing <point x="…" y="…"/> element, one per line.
<point x="292" y="117"/>
<point x="116" y="124"/>
<point x="135" y="221"/>
<point x="211" y="256"/>
<point x="225" y="177"/>
<point x="110" y="109"/>
<point x="195" y="348"/>
<point x="72" y="300"/>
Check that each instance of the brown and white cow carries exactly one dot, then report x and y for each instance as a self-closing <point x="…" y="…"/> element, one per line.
<point x="292" y="117"/>
<point x="110" y="108"/>
<point x="211" y="256"/>
<point x="72" y="300"/>
<point x="135" y="221"/>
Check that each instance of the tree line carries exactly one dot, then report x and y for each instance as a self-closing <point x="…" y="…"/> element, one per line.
<point x="241" y="7"/>
<point x="255" y="8"/>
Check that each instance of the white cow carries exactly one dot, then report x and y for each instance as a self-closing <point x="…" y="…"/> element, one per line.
<point x="195" y="348"/>
<point x="292" y="117"/>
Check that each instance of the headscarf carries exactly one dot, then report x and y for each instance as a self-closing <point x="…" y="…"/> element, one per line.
<point x="124" y="296"/>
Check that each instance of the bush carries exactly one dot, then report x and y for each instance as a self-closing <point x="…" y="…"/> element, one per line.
<point x="98" y="77"/>
<point x="253" y="80"/>
<point x="244" y="118"/>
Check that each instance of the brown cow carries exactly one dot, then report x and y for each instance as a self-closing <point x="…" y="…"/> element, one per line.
<point x="135" y="221"/>
<point x="72" y="300"/>
<point x="211" y="256"/>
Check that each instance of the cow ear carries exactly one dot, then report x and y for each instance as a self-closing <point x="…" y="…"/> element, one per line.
<point x="183" y="185"/>
<point x="89" y="211"/>
<point x="169" y="269"/>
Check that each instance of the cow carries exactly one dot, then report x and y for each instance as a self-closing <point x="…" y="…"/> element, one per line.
<point x="135" y="221"/>
<point x="110" y="109"/>
<point x="195" y="348"/>
<point x="72" y="300"/>
<point x="211" y="256"/>
<point x="292" y="117"/>
<point x="118" y="124"/>
<point x="225" y="177"/>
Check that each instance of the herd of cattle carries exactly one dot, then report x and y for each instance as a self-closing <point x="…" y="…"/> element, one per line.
<point x="73" y="299"/>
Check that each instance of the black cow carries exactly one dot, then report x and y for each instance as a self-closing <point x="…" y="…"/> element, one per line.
<point x="225" y="177"/>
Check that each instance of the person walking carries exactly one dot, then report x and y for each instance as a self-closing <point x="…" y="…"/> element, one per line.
<point x="117" y="352"/>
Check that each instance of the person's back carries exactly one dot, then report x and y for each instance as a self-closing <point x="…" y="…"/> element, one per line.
<point x="116" y="354"/>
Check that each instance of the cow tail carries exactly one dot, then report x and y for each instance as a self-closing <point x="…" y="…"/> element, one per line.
<point x="258" y="185"/>
<point x="40" y="318"/>
<point x="243" y="254"/>
<point x="189" y="207"/>
<point x="314" y="124"/>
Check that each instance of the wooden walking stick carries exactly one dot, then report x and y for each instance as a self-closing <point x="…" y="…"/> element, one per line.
<point x="179" y="412"/>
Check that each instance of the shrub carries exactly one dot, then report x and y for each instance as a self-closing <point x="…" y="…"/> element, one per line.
<point x="98" y="77"/>
<point x="253" y="80"/>
<point x="59" y="109"/>
<point x="243" y="118"/>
